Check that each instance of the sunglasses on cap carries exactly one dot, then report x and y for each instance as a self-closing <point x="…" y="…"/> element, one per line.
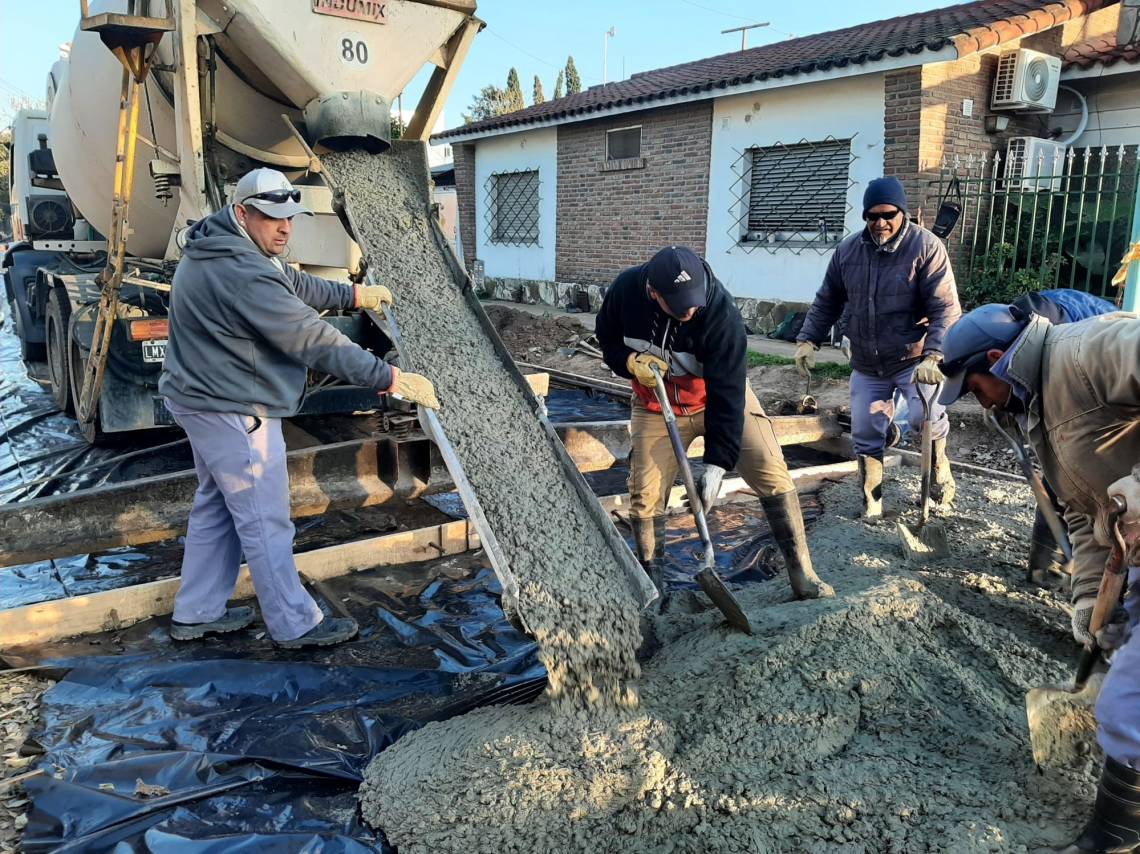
<point x="277" y="197"/>
<point x="883" y="217"/>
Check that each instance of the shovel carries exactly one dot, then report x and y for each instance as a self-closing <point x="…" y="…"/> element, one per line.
<point x="707" y="578"/>
<point x="926" y="541"/>
<point x="1055" y="711"/>
<point x="1038" y="487"/>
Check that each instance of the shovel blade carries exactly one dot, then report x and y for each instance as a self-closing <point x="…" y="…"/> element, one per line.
<point x="1062" y="723"/>
<point x="722" y="597"/>
<point x="924" y="543"/>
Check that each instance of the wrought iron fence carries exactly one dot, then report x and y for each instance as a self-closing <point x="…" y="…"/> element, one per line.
<point x="1038" y="217"/>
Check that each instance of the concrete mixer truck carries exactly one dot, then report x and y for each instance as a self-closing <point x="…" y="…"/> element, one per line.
<point x="160" y="106"/>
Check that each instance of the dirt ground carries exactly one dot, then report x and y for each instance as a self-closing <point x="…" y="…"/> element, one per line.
<point x="19" y="708"/>
<point x="545" y="340"/>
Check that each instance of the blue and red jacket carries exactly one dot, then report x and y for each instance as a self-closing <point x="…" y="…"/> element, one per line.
<point x="707" y="356"/>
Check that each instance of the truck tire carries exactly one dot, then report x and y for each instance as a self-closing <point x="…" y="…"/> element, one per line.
<point x="57" y="334"/>
<point x="76" y="362"/>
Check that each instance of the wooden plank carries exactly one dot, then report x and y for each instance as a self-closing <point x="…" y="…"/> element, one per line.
<point x="112" y="609"/>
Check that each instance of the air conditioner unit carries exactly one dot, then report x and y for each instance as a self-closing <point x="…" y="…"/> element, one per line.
<point x="1033" y="164"/>
<point x="1026" y="80"/>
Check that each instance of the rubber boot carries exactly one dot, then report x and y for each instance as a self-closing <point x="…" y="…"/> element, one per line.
<point x="943" y="490"/>
<point x="787" y="524"/>
<point x="1045" y="555"/>
<point x="649" y="540"/>
<point x="1115" y="825"/>
<point x="871" y="482"/>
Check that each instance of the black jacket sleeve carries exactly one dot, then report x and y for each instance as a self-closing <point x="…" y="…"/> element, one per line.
<point x="726" y="372"/>
<point x="939" y="295"/>
<point x="828" y="305"/>
<point x="608" y="328"/>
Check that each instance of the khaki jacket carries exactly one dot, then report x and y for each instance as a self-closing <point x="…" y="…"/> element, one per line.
<point x="1084" y="421"/>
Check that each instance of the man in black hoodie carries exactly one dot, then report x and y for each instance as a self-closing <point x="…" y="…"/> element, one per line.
<point x="673" y="313"/>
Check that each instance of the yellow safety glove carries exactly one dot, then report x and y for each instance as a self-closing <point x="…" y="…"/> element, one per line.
<point x="804" y="357"/>
<point x="414" y="387"/>
<point x="372" y="296"/>
<point x="928" y="372"/>
<point x="638" y="365"/>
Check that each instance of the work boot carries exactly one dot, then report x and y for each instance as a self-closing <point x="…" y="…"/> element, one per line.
<point x="1045" y="555"/>
<point x="787" y="524"/>
<point x="234" y="619"/>
<point x="943" y="490"/>
<point x="329" y="631"/>
<point x="649" y="540"/>
<point x="1115" y="825"/>
<point x="871" y="482"/>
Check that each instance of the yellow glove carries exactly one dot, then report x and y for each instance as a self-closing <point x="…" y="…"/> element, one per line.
<point x="928" y="372"/>
<point x="804" y="357"/>
<point x="414" y="387"/>
<point x="638" y="365"/>
<point x="372" y="296"/>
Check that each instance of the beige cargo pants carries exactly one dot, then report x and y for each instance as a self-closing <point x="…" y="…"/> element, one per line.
<point x="653" y="467"/>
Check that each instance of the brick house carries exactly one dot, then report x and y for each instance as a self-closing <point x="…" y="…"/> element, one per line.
<point x="757" y="159"/>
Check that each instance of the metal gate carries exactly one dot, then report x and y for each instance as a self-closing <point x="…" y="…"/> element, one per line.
<point x="1045" y="217"/>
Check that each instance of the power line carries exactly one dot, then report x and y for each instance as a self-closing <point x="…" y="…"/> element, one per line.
<point x="522" y="50"/>
<point x="738" y="17"/>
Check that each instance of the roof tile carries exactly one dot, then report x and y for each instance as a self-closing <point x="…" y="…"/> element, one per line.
<point x="1100" y="50"/>
<point x="967" y="28"/>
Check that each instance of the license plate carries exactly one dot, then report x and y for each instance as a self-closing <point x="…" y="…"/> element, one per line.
<point x="154" y="351"/>
<point x="357" y="10"/>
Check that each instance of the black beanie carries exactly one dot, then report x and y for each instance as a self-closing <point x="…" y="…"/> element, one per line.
<point x="884" y="191"/>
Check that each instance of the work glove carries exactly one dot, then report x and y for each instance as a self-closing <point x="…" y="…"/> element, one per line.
<point x="845" y="347"/>
<point x="1082" y="616"/>
<point x="709" y="485"/>
<point x="638" y="364"/>
<point x="928" y="372"/>
<point x="805" y="357"/>
<point x="414" y="387"/>
<point x="1111" y="634"/>
<point x="1114" y="632"/>
<point x="372" y="296"/>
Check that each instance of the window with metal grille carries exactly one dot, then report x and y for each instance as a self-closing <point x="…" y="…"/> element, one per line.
<point x="512" y="201"/>
<point x="798" y="192"/>
<point x="623" y="143"/>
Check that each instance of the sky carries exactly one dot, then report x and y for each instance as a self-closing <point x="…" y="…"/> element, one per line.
<point x="534" y="36"/>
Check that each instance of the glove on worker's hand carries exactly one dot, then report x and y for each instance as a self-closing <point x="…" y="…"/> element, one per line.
<point x="1082" y="616"/>
<point x="845" y="347"/>
<point x="372" y="296"/>
<point x="804" y="357"/>
<point x="1114" y="632"/>
<point x="709" y="485"/>
<point x="928" y="372"/>
<point x="414" y="387"/>
<point x="638" y="365"/>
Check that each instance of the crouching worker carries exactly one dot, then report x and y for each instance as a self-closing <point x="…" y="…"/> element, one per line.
<point x="673" y="313"/>
<point x="1078" y="388"/>
<point x="244" y="331"/>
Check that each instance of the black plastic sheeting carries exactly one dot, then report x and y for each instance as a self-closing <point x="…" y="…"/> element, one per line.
<point x="233" y="745"/>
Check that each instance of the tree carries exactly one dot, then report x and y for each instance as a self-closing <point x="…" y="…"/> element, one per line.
<point x="558" y="85"/>
<point x="5" y="142"/>
<point x="490" y="102"/>
<point x="514" y="91"/>
<point x="539" y="97"/>
<point x="573" y="81"/>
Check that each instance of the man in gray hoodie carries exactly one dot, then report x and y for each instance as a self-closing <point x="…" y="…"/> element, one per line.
<point x="244" y="331"/>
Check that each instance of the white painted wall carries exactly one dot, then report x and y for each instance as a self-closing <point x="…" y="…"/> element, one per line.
<point x="1114" y="107"/>
<point x="842" y="108"/>
<point x="536" y="149"/>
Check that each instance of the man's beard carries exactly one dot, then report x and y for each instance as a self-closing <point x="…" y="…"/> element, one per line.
<point x="880" y="239"/>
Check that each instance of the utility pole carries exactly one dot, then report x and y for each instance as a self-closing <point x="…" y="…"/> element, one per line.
<point x="743" y="33"/>
<point x="610" y="33"/>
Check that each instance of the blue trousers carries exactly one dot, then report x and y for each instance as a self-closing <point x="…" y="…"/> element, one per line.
<point x="241" y="506"/>
<point x="873" y="407"/>
<point x="1118" y="707"/>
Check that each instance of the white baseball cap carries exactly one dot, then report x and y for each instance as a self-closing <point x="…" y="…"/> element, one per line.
<point x="271" y="193"/>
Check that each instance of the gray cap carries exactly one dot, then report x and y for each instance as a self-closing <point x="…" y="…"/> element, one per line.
<point x="271" y="193"/>
<point x="988" y="327"/>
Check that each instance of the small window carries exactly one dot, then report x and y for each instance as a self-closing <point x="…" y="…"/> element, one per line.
<point x="512" y="199"/>
<point x="798" y="192"/>
<point x="623" y="143"/>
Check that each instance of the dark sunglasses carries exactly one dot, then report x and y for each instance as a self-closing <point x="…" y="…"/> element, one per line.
<point x="277" y="197"/>
<point x="881" y="217"/>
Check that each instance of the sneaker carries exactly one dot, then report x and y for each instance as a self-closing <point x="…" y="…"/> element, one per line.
<point x="328" y="631"/>
<point x="233" y="620"/>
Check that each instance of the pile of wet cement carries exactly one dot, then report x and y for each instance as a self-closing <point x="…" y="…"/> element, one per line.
<point x="888" y="719"/>
<point x="573" y="594"/>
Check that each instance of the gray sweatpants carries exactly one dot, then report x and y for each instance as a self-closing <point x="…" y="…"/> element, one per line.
<point x="873" y="407"/>
<point x="242" y="505"/>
